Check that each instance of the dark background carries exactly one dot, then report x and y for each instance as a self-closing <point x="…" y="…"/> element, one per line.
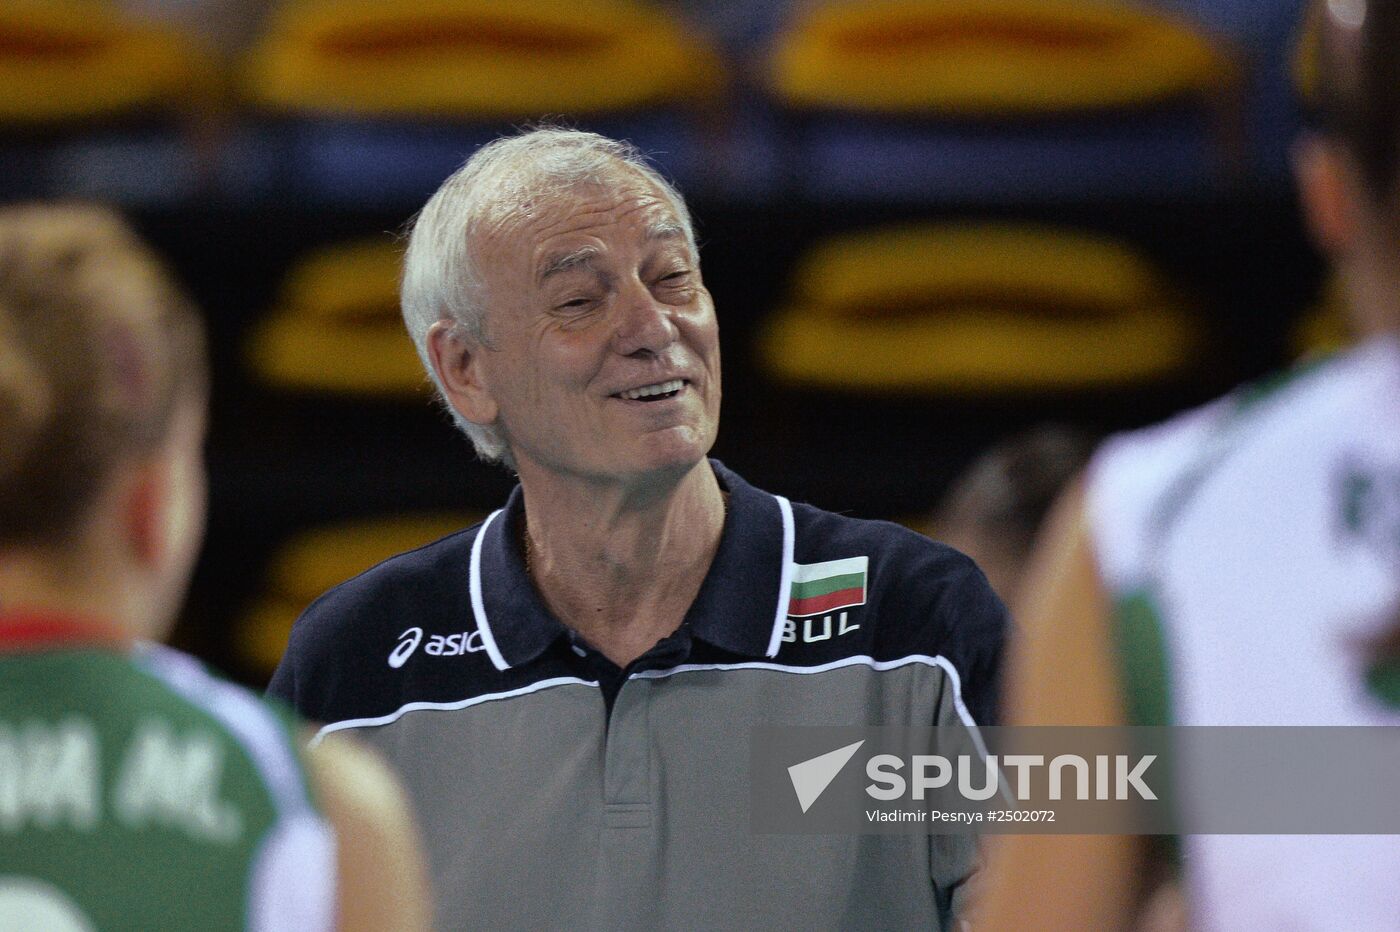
<point x="282" y="461"/>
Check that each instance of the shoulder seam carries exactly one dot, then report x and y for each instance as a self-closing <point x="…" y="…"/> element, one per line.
<point x="258" y="732"/>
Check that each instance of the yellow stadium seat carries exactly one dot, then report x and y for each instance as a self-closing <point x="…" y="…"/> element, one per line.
<point x="1305" y="54"/>
<point x="319" y="559"/>
<point x="997" y="58"/>
<point x="475" y="59"/>
<point x="337" y="328"/>
<point x="977" y="308"/>
<point x="66" y="60"/>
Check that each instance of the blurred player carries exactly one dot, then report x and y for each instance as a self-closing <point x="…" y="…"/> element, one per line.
<point x="1241" y="564"/>
<point x="136" y="790"/>
<point x="996" y="506"/>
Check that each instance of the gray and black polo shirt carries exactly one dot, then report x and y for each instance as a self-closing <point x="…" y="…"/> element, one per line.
<point x="555" y="789"/>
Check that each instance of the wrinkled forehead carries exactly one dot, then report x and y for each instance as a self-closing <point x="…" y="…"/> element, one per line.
<point x="529" y="211"/>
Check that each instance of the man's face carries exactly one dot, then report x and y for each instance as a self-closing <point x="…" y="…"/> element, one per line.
<point x="593" y="296"/>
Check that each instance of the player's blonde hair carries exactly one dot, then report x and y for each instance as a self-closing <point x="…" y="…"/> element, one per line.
<point x="97" y="347"/>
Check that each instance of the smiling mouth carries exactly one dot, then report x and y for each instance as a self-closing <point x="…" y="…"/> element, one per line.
<point x="658" y="392"/>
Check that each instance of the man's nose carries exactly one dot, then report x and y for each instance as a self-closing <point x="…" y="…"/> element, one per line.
<point x="645" y="324"/>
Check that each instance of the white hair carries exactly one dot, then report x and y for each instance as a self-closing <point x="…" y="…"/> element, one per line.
<point x="440" y="277"/>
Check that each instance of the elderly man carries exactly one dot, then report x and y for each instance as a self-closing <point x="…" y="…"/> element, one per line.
<point x="568" y="688"/>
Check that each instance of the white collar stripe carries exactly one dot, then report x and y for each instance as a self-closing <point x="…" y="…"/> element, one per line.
<point x="785" y="579"/>
<point x="488" y="639"/>
<point x="457" y="706"/>
<point x="862" y="660"/>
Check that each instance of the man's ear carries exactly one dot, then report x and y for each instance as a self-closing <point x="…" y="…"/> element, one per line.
<point x="146" y="498"/>
<point x="456" y="359"/>
<point x="1326" y="190"/>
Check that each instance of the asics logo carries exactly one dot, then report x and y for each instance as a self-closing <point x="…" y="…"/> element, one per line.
<point x="439" y="645"/>
<point x="408" y="643"/>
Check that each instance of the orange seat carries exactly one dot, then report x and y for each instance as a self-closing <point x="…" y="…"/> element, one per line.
<point x="475" y="59"/>
<point x="318" y="559"/>
<point x="965" y="58"/>
<point x="64" y="61"/>
<point x="336" y="327"/>
<point x="977" y="308"/>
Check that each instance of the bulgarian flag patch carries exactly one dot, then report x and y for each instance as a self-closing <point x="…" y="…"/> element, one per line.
<point x="818" y="588"/>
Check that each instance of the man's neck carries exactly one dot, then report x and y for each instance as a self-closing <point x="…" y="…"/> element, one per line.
<point x="40" y="582"/>
<point x="622" y="565"/>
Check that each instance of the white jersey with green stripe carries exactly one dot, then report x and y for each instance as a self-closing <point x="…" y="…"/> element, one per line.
<point x="1252" y="548"/>
<point x="137" y="791"/>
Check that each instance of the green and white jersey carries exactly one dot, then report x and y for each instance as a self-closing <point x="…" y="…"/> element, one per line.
<point x="1252" y="548"/>
<point x="137" y="791"/>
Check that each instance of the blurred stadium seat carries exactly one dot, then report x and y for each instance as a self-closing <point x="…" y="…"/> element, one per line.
<point x="95" y="104"/>
<point x="347" y="114"/>
<point x="1031" y="99"/>
<point x="337" y="329"/>
<point x="1304" y="63"/>
<point x="308" y="564"/>
<point x="1324" y="328"/>
<point x="977" y="309"/>
<point x="375" y="103"/>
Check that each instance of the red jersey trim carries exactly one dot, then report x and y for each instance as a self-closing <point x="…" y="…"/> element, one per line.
<point x="39" y="629"/>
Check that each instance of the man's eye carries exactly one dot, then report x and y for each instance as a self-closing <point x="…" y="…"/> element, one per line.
<point x="676" y="277"/>
<point x="574" y="304"/>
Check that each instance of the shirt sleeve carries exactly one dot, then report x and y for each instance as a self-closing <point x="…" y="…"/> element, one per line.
<point x="290" y="682"/>
<point x="974" y="624"/>
<point x="283" y="684"/>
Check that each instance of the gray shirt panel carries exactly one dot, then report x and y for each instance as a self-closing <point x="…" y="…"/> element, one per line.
<point x="539" y="812"/>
